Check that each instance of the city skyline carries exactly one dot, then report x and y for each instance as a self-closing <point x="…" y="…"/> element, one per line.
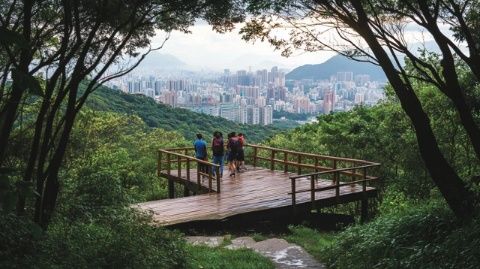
<point x="252" y="97"/>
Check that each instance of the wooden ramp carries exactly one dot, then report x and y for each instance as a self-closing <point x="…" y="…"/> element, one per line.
<point x="256" y="189"/>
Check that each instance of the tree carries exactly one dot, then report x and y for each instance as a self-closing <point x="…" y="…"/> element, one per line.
<point x="374" y="31"/>
<point x="49" y="47"/>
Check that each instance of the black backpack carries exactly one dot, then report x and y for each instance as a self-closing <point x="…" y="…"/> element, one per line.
<point x="235" y="144"/>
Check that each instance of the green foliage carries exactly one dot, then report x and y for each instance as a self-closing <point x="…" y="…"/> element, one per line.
<point x="289" y="115"/>
<point x="117" y="239"/>
<point x="162" y="116"/>
<point x="426" y="236"/>
<point x="222" y="258"/>
<point x="109" y="237"/>
<point x="384" y="134"/>
<point x="19" y="239"/>
<point x="112" y="161"/>
<point x="312" y="241"/>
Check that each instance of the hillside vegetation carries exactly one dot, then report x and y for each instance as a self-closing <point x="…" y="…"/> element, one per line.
<point x="186" y="122"/>
<point x="414" y="227"/>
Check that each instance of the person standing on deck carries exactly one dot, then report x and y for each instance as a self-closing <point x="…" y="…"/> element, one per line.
<point x="241" y="152"/>
<point x="201" y="152"/>
<point x="233" y="147"/>
<point x="218" y="151"/>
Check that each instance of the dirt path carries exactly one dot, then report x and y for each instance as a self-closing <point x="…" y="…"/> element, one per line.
<point x="283" y="254"/>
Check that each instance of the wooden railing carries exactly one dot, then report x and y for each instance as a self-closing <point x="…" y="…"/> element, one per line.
<point x="181" y="158"/>
<point x="353" y="171"/>
<point x="336" y="183"/>
<point x="298" y="162"/>
<point x="305" y="165"/>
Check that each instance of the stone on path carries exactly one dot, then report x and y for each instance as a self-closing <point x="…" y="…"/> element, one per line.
<point x="211" y="241"/>
<point x="283" y="254"/>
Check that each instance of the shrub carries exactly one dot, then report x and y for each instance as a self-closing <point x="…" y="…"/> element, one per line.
<point x="121" y="239"/>
<point x="426" y="236"/>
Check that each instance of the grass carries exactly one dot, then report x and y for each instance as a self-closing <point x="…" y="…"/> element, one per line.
<point x="258" y="237"/>
<point x="203" y="257"/>
<point x="314" y="242"/>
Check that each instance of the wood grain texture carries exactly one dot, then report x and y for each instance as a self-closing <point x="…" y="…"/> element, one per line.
<point x="256" y="189"/>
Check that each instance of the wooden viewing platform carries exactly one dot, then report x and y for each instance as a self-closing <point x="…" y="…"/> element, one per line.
<point x="275" y="179"/>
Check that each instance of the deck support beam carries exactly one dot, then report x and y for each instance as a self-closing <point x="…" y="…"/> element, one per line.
<point x="186" y="191"/>
<point x="171" y="188"/>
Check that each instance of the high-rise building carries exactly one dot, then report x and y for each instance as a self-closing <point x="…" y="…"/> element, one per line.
<point x="253" y="115"/>
<point x="328" y="101"/>
<point x="266" y="115"/>
<point x="344" y="76"/>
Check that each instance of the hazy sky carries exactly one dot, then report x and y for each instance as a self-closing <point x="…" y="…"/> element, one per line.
<point x="206" y="48"/>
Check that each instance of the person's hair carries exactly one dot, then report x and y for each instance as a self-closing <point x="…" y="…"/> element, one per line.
<point x="229" y="135"/>
<point x="232" y="134"/>
<point x="199" y="136"/>
<point x="240" y="134"/>
<point x="217" y="134"/>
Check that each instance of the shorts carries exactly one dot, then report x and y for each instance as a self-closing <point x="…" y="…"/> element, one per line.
<point x="232" y="156"/>
<point x="241" y="155"/>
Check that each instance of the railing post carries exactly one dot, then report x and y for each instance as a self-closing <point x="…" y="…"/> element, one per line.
<point x="198" y="175"/>
<point x="299" y="165"/>
<point x="316" y="164"/>
<point x="179" y="166"/>
<point x="294" y="194"/>
<point x="159" y="163"/>
<point x="188" y="169"/>
<point x="168" y="164"/>
<point x="217" y="173"/>
<point x="312" y="191"/>
<point x="285" y="160"/>
<point x="364" y="202"/>
<point x="210" y="179"/>
<point x="337" y="183"/>
<point x="186" y="191"/>
<point x="254" y="156"/>
<point x="171" y="187"/>
<point x="272" y="162"/>
<point x="334" y="168"/>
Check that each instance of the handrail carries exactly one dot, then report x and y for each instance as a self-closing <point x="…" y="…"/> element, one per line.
<point x="325" y="157"/>
<point x="335" y="170"/>
<point x="336" y="181"/>
<point x="169" y="151"/>
<point x="183" y="158"/>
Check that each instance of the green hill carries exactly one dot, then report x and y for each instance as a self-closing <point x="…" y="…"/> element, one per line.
<point x="173" y="119"/>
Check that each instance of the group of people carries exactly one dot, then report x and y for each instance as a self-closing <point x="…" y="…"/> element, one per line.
<point x="232" y="151"/>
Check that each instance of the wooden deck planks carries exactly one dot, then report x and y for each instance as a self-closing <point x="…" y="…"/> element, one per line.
<point x="253" y="190"/>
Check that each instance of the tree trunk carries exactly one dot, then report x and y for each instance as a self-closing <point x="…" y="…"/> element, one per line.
<point x="453" y="189"/>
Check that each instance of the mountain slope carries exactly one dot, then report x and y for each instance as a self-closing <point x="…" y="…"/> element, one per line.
<point x="333" y="65"/>
<point x="184" y="121"/>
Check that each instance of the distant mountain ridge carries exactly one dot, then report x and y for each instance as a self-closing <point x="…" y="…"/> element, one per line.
<point x="333" y="65"/>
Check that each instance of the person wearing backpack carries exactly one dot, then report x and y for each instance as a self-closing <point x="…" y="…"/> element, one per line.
<point x="218" y="151"/>
<point x="233" y="147"/>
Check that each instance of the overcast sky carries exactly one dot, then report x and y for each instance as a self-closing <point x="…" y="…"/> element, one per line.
<point x="206" y="48"/>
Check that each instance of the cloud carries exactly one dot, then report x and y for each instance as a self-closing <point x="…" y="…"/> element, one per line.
<point x="204" y="47"/>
